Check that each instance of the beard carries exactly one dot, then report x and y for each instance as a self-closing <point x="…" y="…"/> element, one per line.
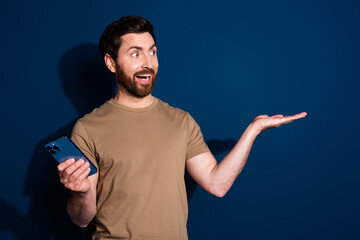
<point x="132" y="86"/>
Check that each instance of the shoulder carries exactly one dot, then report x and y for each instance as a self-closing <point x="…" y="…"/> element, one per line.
<point x="165" y="107"/>
<point x="178" y="115"/>
<point x="93" y="119"/>
<point x="97" y="113"/>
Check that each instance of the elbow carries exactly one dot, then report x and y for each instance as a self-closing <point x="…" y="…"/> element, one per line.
<point x="219" y="195"/>
<point x="218" y="191"/>
<point x="81" y="223"/>
<point x="84" y="225"/>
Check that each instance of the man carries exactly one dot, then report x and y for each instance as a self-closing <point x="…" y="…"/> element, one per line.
<point x="141" y="147"/>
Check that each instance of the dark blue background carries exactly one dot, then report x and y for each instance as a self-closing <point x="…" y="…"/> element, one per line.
<point x="225" y="63"/>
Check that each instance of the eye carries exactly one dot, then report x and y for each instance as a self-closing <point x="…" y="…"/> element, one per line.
<point x="153" y="52"/>
<point x="135" y="54"/>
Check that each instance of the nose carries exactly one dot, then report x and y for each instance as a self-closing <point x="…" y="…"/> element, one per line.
<point x="147" y="62"/>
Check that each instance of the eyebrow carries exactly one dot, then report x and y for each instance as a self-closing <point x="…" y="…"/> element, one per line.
<point x="140" y="48"/>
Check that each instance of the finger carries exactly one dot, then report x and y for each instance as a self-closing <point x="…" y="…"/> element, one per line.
<point x="289" y="119"/>
<point x="83" y="176"/>
<point x="62" y="166"/>
<point x="296" y="116"/>
<point x="78" y="172"/>
<point x="72" y="168"/>
<point x="78" y="185"/>
<point x="262" y="116"/>
<point x="303" y="114"/>
<point x="277" y="116"/>
<point x="299" y="115"/>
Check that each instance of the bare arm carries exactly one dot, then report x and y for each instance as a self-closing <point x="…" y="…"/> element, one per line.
<point x="217" y="178"/>
<point x="81" y="205"/>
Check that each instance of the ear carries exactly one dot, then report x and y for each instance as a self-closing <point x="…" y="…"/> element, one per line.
<point x="110" y="63"/>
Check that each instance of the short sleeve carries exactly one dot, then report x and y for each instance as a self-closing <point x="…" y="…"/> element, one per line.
<point x="80" y="137"/>
<point x="196" y="143"/>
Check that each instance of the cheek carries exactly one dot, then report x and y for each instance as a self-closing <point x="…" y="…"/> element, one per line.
<point x="130" y="69"/>
<point x="155" y="64"/>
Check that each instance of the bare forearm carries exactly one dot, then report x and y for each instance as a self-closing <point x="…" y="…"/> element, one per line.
<point x="217" y="178"/>
<point x="81" y="208"/>
<point x="224" y="173"/>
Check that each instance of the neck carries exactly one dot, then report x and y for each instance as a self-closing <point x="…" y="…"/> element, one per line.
<point x="124" y="98"/>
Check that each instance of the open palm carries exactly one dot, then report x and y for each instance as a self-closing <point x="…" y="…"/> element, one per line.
<point x="264" y="122"/>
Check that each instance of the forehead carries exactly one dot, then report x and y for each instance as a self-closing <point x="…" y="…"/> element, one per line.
<point x="144" y="40"/>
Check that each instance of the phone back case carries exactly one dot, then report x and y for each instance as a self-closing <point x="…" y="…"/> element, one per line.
<point x="63" y="148"/>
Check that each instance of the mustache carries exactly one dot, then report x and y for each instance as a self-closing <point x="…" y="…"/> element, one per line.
<point x="146" y="71"/>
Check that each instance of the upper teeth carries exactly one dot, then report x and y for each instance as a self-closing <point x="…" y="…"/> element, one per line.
<point x="146" y="75"/>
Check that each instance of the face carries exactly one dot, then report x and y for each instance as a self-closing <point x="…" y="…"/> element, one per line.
<point x="137" y="65"/>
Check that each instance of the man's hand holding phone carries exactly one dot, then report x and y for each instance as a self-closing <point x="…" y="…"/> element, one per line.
<point x="74" y="168"/>
<point x="73" y="175"/>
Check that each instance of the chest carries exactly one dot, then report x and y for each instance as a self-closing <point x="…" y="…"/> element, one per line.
<point x="134" y="144"/>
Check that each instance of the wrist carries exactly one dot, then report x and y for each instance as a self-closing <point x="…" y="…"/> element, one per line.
<point x="79" y="194"/>
<point x="254" y="129"/>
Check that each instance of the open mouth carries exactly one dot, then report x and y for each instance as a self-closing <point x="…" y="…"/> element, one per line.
<point x="143" y="78"/>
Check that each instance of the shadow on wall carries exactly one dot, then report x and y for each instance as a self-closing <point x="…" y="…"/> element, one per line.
<point x="87" y="83"/>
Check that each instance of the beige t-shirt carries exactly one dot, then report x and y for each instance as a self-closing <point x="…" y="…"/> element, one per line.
<point x="140" y="155"/>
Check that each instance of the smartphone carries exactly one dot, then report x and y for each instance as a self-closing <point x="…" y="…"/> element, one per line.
<point x="63" y="148"/>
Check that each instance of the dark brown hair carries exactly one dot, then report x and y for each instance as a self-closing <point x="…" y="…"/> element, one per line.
<point x="110" y="40"/>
